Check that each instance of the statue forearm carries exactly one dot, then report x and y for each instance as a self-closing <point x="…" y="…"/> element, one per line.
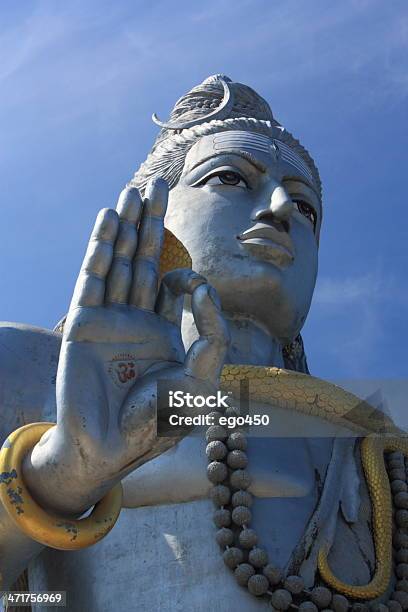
<point x="61" y="478"/>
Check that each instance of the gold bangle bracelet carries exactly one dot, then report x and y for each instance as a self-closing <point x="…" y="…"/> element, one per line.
<point x="34" y="521"/>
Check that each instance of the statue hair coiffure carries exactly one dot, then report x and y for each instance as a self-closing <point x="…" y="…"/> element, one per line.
<point x="216" y="105"/>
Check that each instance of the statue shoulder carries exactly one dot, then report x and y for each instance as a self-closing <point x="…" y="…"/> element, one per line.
<point x="28" y="367"/>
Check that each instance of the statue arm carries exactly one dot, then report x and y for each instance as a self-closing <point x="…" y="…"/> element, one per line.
<point x="121" y="336"/>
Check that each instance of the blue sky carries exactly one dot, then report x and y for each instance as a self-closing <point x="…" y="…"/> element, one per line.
<point x="79" y="81"/>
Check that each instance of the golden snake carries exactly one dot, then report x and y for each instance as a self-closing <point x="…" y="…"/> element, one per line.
<point x="310" y="395"/>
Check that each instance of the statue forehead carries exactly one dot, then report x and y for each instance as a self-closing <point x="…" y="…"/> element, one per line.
<point x="266" y="149"/>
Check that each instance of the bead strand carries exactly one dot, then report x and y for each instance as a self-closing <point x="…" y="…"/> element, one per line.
<point x="226" y="453"/>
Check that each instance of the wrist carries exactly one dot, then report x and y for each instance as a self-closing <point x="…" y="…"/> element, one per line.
<point x="57" y="480"/>
<point x="61" y="532"/>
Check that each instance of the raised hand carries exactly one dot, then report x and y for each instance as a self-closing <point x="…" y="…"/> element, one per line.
<point x="121" y="336"/>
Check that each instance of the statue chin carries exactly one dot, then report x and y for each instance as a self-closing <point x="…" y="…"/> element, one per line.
<point x="263" y="297"/>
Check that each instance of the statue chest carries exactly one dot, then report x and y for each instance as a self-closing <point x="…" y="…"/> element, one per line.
<point x="283" y="466"/>
<point x="158" y="558"/>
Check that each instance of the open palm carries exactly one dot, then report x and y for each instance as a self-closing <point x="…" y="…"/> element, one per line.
<point x="121" y="336"/>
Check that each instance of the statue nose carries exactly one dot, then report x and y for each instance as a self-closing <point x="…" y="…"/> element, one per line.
<point x="280" y="207"/>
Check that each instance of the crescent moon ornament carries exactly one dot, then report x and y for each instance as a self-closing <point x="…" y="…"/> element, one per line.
<point x="218" y="113"/>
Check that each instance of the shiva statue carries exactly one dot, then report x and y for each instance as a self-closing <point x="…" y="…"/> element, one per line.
<point x="203" y="275"/>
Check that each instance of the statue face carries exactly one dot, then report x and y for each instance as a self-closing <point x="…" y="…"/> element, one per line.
<point x="247" y="212"/>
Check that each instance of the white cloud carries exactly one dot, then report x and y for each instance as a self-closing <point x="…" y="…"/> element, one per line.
<point x="352" y="290"/>
<point x="372" y="290"/>
<point x="352" y="312"/>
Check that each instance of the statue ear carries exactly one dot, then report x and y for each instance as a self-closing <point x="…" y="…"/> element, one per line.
<point x="174" y="254"/>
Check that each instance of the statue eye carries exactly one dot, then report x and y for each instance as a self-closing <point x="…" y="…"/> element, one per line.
<point x="226" y="177"/>
<point x="306" y="210"/>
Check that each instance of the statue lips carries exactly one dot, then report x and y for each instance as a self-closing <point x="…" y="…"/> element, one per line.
<point x="269" y="243"/>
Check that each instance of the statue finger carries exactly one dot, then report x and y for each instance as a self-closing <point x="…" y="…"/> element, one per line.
<point x="143" y="292"/>
<point x="174" y="286"/>
<point x="119" y="279"/>
<point x="90" y="286"/>
<point x="205" y="358"/>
